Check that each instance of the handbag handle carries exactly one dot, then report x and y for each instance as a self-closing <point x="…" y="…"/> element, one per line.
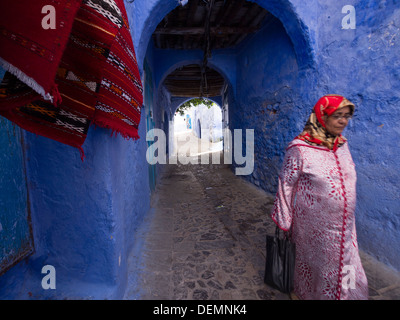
<point x="286" y="234"/>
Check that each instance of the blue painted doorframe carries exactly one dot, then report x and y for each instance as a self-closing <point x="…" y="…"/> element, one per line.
<point x="16" y="240"/>
<point x="148" y="104"/>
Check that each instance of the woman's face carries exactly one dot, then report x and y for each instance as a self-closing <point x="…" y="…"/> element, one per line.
<point x="336" y="122"/>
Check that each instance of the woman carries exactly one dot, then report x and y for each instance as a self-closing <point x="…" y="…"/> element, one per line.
<point x="316" y="199"/>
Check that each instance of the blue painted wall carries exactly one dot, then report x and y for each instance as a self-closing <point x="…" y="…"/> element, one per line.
<point x="84" y="215"/>
<point x="268" y="96"/>
<point x="362" y="64"/>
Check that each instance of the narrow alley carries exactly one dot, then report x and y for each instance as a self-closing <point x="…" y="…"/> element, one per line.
<point x="205" y="240"/>
<point x="95" y="202"/>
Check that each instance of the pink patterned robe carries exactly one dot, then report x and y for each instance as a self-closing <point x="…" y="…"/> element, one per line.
<point x="317" y="197"/>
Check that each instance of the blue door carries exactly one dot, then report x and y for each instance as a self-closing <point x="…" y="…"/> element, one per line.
<point x="16" y="240"/>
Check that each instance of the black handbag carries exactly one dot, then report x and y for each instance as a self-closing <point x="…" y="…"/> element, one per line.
<point x="279" y="267"/>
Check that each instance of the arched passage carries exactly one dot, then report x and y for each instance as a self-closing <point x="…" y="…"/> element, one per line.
<point x="197" y="130"/>
<point x="148" y="14"/>
<point x="199" y="120"/>
<point x="261" y="85"/>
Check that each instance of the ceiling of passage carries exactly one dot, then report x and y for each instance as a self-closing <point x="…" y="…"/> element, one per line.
<point x="186" y="82"/>
<point x="206" y="25"/>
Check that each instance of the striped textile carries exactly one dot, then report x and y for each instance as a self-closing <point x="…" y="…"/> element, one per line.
<point x="97" y="77"/>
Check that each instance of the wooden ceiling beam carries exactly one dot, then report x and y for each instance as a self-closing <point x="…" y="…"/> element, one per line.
<point x="216" y="31"/>
<point x="196" y="94"/>
<point x="194" y="78"/>
<point x="190" y="83"/>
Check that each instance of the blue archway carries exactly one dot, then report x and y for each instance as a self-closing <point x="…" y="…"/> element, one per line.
<point x="146" y="15"/>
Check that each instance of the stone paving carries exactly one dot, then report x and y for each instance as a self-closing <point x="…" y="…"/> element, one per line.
<point x="204" y="239"/>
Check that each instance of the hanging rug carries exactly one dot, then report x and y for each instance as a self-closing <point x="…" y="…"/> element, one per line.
<point x="97" y="80"/>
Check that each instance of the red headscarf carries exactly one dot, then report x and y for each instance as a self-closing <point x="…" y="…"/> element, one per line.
<point x="314" y="132"/>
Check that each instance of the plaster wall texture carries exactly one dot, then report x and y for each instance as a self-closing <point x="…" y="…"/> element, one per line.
<point x="361" y="64"/>
<point x="84" y="216"/>
<point x="268" y="99"/>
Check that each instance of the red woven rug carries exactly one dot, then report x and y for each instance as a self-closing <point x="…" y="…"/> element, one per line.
<point x="29" y="51"/>
<point x="97" y="77"/>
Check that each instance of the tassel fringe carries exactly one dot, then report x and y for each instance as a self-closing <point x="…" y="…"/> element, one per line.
<point x="29" y="81"/>
<point x="56" y="96"/>
<point x="82" y="153"/>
